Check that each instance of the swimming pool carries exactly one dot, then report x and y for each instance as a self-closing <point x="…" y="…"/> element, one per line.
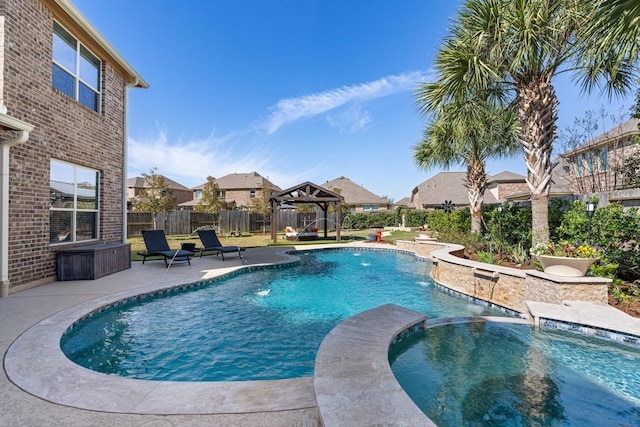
<point x="259" y="325"/>
<point x="502" y="374"/>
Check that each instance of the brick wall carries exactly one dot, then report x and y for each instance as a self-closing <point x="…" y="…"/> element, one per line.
<point x="64" y="130"/>
<point x="507" y="189"/>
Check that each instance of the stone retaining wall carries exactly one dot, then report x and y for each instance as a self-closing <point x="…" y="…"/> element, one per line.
<point x="507" y="287"/>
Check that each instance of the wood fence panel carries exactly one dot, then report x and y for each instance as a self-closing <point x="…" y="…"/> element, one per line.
<point x="199" y="220"/>
<point x="225" y="222"/>
<point x="138" y="221"/>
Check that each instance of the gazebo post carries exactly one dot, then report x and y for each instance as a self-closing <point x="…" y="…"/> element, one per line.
<point x="274" y="220"/>
<point x="338" y="217"/>
<point x="325" y="210"/>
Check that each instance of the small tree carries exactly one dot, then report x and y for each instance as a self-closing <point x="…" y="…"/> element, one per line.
<point x="630" y="169"/>
<point x="584" y="130"/>
<point x="261" y="206"/>
<point x="155" y="196"/>
<point x="211" y="202"/>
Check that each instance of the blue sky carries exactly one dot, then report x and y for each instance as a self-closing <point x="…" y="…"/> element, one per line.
<point x="297" y="90"/>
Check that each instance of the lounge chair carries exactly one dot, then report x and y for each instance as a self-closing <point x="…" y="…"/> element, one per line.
<point x="157" y="245"/>
<point x="292" y="234"/>
<point x="210" y="242"/>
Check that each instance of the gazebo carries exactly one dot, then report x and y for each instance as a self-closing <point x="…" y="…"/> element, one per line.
<point x="306" y="192"/>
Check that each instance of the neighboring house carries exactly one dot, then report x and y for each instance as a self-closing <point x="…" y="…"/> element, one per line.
<point x="445" y="186"/>
<point x="500" y="186"/>
<point x="560" y="183"/>
<point x="594" y="165"/>
<point x="358" y="198"/>
<point x="63" y="95"/>
<point x="451" y="187"/>
<point x="179" y="192"/>
<point x="405" y="202"/>
<point x="237" y="190"/>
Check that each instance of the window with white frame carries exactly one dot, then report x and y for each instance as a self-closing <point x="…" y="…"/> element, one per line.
<point x="252" y="193"/>
<point x="198" y="194"/>
<point x="75" y="70"/>
<point x="603" y="159"/>
<point x="73" y="213"/>
<point x="578" y="164"/>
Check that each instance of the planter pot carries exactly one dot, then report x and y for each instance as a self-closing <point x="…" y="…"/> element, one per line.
<point x="565" y="266"/>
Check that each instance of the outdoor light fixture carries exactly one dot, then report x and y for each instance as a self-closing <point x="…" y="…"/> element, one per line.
<point x="591" y="209"/>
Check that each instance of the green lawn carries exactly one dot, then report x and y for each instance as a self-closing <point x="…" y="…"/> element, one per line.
<point x="254" y="240"/>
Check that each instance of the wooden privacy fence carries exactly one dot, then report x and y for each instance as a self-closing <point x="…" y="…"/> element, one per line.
<point x="186" y="222"/>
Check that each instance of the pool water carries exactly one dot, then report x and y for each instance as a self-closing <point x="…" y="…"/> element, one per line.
<point x="496" y="374"/>
<point x="258" y="325"/>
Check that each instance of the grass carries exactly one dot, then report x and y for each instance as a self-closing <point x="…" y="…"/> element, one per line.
<point x="255" y="240"/>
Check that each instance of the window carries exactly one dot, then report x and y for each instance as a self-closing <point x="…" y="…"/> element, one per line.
<point x="75" y="70"/>
<point x="221" y="194"/>
<point x="252" y="193"/>
<point x="578" y="164"/>
<point x="376" y="208"/>
<point x="591" y="161"/>
<point x="603" y="158"/>
<point x="73" y="216"/>
<point x="198" y="194"/>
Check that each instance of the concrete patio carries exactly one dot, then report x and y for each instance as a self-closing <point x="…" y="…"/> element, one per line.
<point x="289" y="402"/>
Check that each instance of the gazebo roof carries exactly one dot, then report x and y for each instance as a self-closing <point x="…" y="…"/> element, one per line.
<point x="307" y="192"/>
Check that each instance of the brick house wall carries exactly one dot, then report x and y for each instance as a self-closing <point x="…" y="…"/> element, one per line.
<point x="64" y="130"/>
<point x="598" y="181"/>
<point x="506" y="189"/>
<point x="594" y="165"/>
<point x="242" y="197"/>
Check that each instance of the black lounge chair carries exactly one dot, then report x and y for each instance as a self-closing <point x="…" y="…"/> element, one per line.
<point x="210" y="242"/>
<point x="157" y="245"/>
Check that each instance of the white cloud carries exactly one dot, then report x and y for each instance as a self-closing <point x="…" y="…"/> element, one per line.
<point x="292" y="109"/>
<point x="190" y="162"/>
<point x="350" y="120"/>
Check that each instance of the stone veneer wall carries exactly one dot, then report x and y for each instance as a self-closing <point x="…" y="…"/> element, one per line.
<point x="507" y="287"/>
<point x="64" y="130"/>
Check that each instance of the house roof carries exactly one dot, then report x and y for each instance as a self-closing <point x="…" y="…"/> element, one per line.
<point x="443" y="186"/>
<point x="69" y="16"/>
<point x="139" y="182"/>
<point x="353" y="193"/>
<point x="622" y="131"/>
<point x="507" y="176"/>
<point x="242" y="181"/>
<point x="452" y="186"/>
<point x="405" y="201"/>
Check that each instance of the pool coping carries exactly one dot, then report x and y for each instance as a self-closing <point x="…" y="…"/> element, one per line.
<point x="36" y="364"/>
<point x="353" y="379"/>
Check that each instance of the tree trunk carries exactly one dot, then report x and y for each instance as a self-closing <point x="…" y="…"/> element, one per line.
<point x="476" y="185"/>
<point x="537" y="117"/>
<point x="540" y="220"/>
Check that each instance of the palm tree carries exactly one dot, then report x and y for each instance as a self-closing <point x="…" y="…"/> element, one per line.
<point x="469" y="133"/>
<point x="512" y="50"/>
